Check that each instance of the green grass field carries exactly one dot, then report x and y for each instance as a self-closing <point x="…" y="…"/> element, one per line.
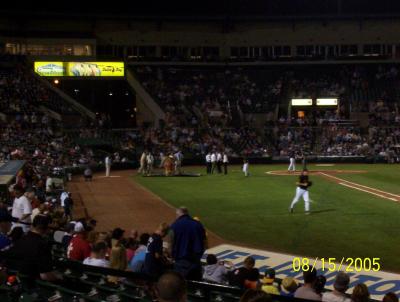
<point x="253" y="211"/>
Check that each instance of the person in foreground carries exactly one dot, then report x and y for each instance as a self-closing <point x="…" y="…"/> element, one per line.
<point x="307" y="291"/>
<point x="340" y="286"/>
<point x="98" y="255"/>
<point x="360" y="293"/>
<point x="32" y="253"/>
<point x="171" y="287"/>
<point x="255" y="295"/>
<point x="188" y="244"/>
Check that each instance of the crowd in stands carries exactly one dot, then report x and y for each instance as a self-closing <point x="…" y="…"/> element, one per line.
<point x="212" y="94"/>
<point x="167" y="257"/>
<point x="22" y="94"/>
<point x="38" y="207"/>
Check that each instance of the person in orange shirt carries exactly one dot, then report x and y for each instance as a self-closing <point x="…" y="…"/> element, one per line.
<point x="169" y="165"/>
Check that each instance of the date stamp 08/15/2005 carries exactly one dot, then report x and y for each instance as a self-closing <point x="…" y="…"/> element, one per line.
<point x="346" y="264"/>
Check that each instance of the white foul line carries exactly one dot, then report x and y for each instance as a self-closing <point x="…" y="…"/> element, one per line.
<point x="354" y="187"/>
<point x="357" y="187"/>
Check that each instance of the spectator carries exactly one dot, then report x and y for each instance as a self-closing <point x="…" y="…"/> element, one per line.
<point x="340" y="287"/>
<point x="41" y="209"/>
<point x="171" y="287"/>
<point x="5" y="227"/>
<point x="131" y="245"/>
<point x="155" y="262"/>
<point x="216" y="271"/>
<point x="49" y="184"/>
<point x="268" y="282"/>
<point x="32" y="252"/>
<point x="288" y="287"/>
<point x="79" y="248"/>
<point x="117" y="253"/>
<point x="390" y="297"/>
<point x="246" y="276"/>
<point x="69" y="232"/>
<point x="253" y="295"/>
<point x="137" y="262"/>
<point x="307" y="291"/>
<point x="21" y="209"/>
<point x="188" y="244"/>
<point x="319" y="285"/>
<point x="31" y="195"/>
<point x="92" y="224"/>
<point x="67" y="205"/>
<point x="16" y="234"/>
<point x="360" y="293"/>
<point x="98" y="256"/>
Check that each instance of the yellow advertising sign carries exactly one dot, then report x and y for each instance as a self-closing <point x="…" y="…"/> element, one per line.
<point x="50" y="69"/>
<point x="80" y="69"/>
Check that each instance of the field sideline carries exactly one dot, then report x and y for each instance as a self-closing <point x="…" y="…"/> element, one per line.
<point x="253" y="211"/>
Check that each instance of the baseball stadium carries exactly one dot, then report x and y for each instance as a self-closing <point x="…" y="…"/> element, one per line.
<point x="219" y="151"/>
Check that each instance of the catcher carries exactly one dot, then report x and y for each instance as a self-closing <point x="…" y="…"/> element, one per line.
<point x="302" y="191"/>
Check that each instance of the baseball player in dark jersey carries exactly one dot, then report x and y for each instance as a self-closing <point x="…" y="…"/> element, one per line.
<point x="302" y="191"/>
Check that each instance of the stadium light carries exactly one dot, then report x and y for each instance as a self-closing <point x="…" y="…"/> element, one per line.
<point x="301" y="102"/>
<point x="56" y="81"/>
<point x="327" y="102"/>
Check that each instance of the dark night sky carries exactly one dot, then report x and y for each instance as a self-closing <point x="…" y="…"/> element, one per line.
<point x="224" y="8"/>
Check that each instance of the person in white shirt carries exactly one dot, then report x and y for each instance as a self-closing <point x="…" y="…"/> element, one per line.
<point x="208" y="162"/>
<point x="219" y="162"/>
<point x="213" y="162"/>
<point x="63" y="196"/>
<point x="107" y="162"/>
<point x="49" y="184"/>
<point x="225" y="161"/>
<point x="340" y="286"/>
<point x="149" y="163"/>
<point x="21" y="209"/>
<point x="246" y="167"/>
<point x="98" y="256"/>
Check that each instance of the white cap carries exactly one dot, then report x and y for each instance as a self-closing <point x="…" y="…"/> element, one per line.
<point x="78" y="227"/>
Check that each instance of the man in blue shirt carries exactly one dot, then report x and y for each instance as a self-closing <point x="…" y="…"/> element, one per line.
<point x="188" y="238"/>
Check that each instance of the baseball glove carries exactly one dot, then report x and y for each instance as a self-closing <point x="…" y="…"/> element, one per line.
<point x="309" y="184"/>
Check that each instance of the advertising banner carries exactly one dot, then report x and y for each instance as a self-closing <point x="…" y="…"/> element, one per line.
<point x="80" y="69"/>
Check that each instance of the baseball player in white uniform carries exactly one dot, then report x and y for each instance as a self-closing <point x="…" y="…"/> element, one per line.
<point x="302" y="191"/>
<point x="107" y="162"/>
<point x="246" y="167"/>
<point x="292" y="161"/>
<point x="213" y="162"/>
